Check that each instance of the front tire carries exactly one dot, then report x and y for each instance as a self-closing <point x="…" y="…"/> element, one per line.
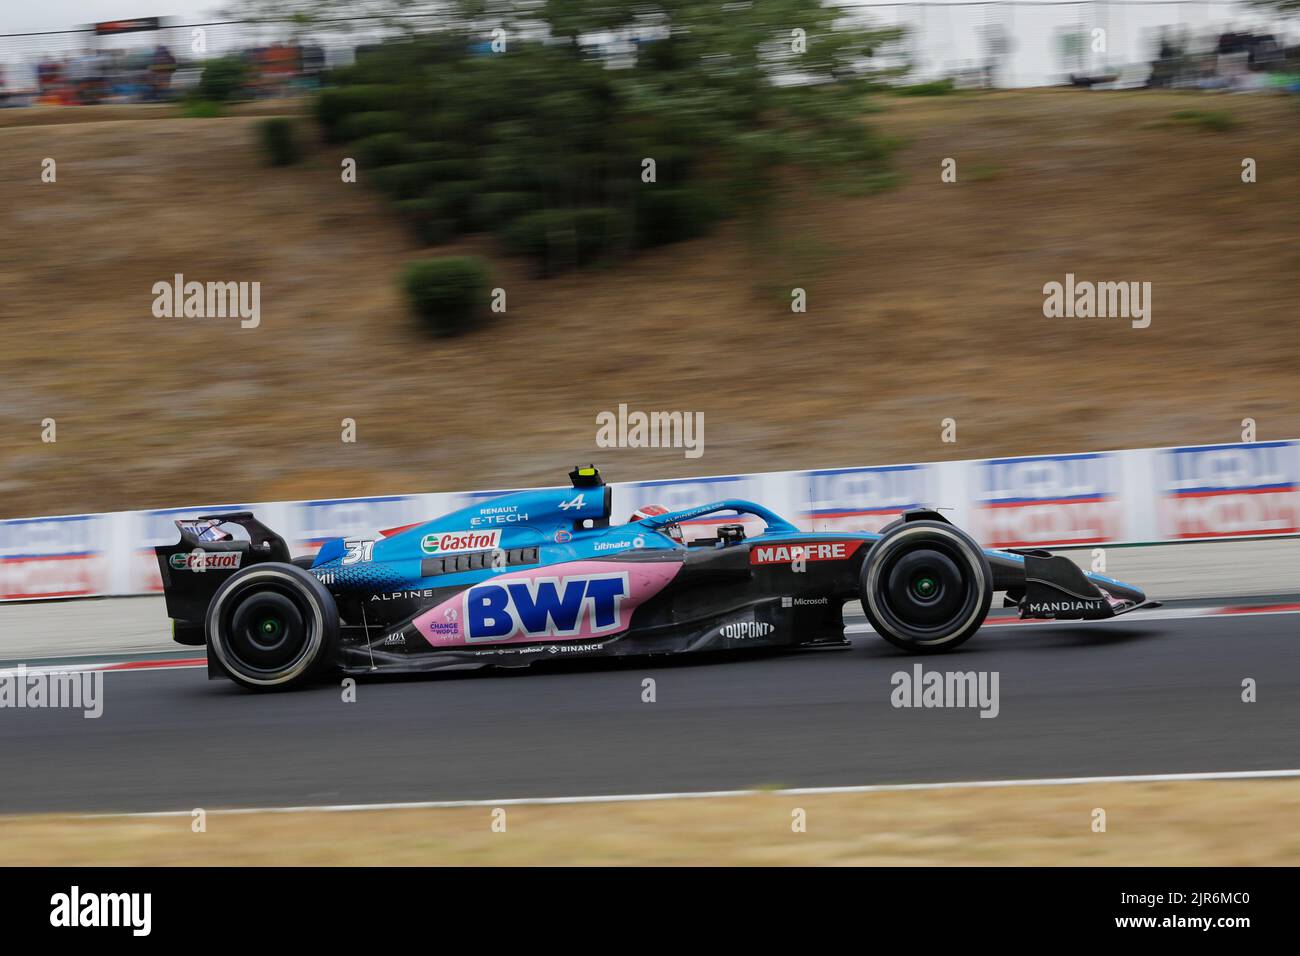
<point x="272" y="626"/>
<point x="926" y="586"/>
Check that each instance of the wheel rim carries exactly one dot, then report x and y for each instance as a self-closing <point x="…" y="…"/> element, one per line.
<point x="928" y="592"/>
<point x="269" y="629"/>
<point x="925" y="588"/>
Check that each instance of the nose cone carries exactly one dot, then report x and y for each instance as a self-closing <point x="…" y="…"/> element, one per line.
<point x="1118" y="589"/>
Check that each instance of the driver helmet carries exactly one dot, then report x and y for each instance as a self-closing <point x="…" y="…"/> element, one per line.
<point x="673" y="531"/>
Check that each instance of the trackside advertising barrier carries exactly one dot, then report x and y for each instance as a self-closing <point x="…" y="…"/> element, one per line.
<point x="1147" y="495"/>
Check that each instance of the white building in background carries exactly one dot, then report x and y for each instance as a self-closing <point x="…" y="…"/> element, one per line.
<point x="1015" y="43"/>
<point x="1041" y="42"/>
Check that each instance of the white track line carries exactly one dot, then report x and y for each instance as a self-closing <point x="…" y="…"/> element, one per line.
<point x="854" y="624"/>
<point x="715" y="794"/>
<point x="116" y="667"/>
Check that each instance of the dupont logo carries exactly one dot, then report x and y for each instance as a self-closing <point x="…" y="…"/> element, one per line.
<point x="813" y="551"/>
<point x="206" y="560"/>
<point x="742" y="630"/>
<point x="455" y="542"/>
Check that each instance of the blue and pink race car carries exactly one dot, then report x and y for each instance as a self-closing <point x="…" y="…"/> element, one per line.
<point x="544" y="574"/>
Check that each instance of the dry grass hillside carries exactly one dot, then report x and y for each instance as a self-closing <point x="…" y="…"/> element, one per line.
<point x="924" y="302"/>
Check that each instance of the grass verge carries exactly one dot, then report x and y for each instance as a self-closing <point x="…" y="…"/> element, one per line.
<point x="1235" y="823"/>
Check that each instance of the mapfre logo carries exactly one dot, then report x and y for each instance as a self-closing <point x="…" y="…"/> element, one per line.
<point x="578" y="606"/>
<point x="456" y="542"/>
<point x="811" y="551"/>
<point x="206" y="560"/>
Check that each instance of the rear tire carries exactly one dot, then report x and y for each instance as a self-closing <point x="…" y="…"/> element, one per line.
<point x="926" y="586"/>
<point x="272" y="626"/>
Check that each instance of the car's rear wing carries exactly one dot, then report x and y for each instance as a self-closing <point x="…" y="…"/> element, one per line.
<point x="206" y="555"/>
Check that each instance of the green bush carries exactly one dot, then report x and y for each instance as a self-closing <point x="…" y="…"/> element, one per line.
<point x="560" y="239"/>
<point x="602" y="233"/>
<point x="369" y="97"/>
<point x="385" y="149"/>
<point x="425" y="219"/>
<point x="449" y="169"/>
<point x="404" y="180"/>
<point x="932" y="88"/>
<point x="673" y="213"/>
<point x="195" y="108"/>
<point x="456" y="200"/>
<point x="331" y="107"/>
<point x="1216" y="121"/>
<point x="507" y="172"/>
<point x="544" y="147"/>
<point x="362" y="125"/>
<point x="337" y="105"/>
<point x="547" y="237"/>
<point x="427" y="152"/>
<point x="449" y="294"/>
<point x="222" y="80"/>
<point x="495" y="211"/>
<point x="278" y="141"/>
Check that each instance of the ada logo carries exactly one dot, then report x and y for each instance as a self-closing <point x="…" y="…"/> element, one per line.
<point x="457" y="542"/>
<point x="807" y="551"/>
<point x="205" y="560"/>
<point x="581" y="605"/>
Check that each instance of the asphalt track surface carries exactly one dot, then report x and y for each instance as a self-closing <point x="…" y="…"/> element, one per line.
<point x="1149" y="696"/>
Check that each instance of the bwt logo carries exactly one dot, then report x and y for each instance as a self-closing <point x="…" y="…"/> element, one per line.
<point x="546" y="607"/>
<point x="1056" y="499"/>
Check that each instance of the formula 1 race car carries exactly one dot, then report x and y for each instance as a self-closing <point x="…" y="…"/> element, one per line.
<point x="538" y="575"/>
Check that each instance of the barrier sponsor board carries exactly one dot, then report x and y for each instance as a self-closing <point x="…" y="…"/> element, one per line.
<point x="65" y="556"/>
<point x="1219" y="491"/>
<point x="1193" y="493"/>
<point x="315" y="522"/>
<point x="865" y="499"/>
<point x="1048" y="499"/>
